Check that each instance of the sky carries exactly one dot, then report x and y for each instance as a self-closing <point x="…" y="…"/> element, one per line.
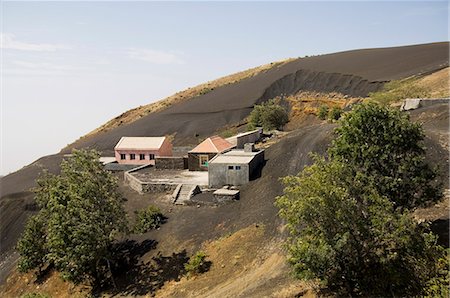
<point x="68" y="67"/>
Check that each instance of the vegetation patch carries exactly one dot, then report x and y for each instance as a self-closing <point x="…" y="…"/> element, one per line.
<point x="35" y="295"/>
<point x="349" y="215"/>
<point x="81" y="212"/>
<point x="148" y="219"/>
<point x="269" y="115"/>
<point x="197" y="264"/>
<point x="395" y="91"/>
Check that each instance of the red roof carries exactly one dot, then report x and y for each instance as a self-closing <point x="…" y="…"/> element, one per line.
<point x="213" y="144"/>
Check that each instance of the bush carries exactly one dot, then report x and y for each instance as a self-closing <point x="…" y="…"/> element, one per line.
<point x="268" y="115"/>
<point x="197" y="264"/>
<point x="323" y="112"/>
<point x="349" y="216"/>
<point x="335" y="113"/>
<point x="81" y="212"/>
<point x="382" y="143"/>
<point x="346" y="234"/>
<point x="148" y="219"/>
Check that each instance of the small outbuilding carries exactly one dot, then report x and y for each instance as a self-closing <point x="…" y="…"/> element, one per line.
<point x="241" y="139"/>
<point x="142" y="150"/>
<point x="199" y="157"/>
<point x="235" y="167"/>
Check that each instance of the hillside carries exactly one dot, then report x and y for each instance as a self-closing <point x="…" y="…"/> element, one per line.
<point x="347" y="75"/>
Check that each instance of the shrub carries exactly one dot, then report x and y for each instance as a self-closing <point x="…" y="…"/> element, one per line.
<point x="81" y="212"/>
<point x="335" y="113"/>
<point x="268" y="115"/>
<point x="346" y="234"/>
<point x="148" y="219"/>
<point x="323" y="112"/>
<point x="349" y="216"/>
<point x="197" y="264"/>
<point x="382" y="143"/>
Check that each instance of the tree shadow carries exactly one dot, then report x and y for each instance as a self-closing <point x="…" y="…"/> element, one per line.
<point x="440" y="227"/>
<point x="131" y="277"/>
<point x="43" y="275"/>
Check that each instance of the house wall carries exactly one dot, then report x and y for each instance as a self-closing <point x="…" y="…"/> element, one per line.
<point x="256" y="165"/>
<point x="136" y="152"/>
<point x="194" y="161"/>
<point x="219" y="175"/>
<point x="248" y="138"/>
<point x="164" y="150"/>
<point x="171" y="162"/>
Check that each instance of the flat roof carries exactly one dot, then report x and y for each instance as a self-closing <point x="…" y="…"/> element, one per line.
<point x="140" y="143"/>
<point x="235" y="156"/>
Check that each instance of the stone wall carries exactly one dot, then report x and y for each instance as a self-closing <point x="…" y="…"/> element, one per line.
<point x="171" y="163"/>
<point x="158" y="187"/>
<point x="145" y="187"/>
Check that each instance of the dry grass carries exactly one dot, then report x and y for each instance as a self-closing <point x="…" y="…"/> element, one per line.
<point x="438" y="83"/>
<point x="19" y="284"/>
<point x="141" y="111"/>
<point x="305" y="105"/>
<point x="241" y="267"/>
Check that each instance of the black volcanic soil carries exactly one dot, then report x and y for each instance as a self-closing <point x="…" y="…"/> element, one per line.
<point x="353" y="73"/>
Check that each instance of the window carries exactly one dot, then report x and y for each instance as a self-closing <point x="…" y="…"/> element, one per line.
<point x="152" y="156"/>
<point x="132" y="156"/>
<point x="203" y="160"/>
<point x="122" y="156"/>
<point x="142" y="156"/>
<point x="230" y="167"/>
<point x="238" y="168"/>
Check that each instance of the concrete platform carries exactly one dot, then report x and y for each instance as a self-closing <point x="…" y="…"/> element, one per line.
<point x="152" y="175"/>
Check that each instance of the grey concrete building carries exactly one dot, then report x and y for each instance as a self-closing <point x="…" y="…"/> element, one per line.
<point x="235" y="167"/>
<point x="246" y="137"/>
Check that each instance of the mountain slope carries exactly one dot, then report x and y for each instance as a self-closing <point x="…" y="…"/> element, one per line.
<point x="353" y="73"/>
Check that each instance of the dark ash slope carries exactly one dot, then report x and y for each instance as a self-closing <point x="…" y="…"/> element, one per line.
<point x="354" y="73"/>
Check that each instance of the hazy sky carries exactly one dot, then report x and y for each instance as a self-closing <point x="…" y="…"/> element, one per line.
<point x="68" y="67"/>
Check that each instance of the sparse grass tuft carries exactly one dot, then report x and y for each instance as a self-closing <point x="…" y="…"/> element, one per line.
<point x="395" y="91"/>
<point x="197" y="264"/>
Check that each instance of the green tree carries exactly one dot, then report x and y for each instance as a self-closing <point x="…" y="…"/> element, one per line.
<point x="269" y="115"/>
<point x="81" y="212"/>
<point x="383" y="144"/>
<point x="346" y="234"/>
<point x="32" y="244"/>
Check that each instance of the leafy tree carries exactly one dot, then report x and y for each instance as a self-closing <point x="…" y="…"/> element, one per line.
<point x="148" y="219"/>
<point x="269" y="115"/>
<point x="32" y="245"/>
<point x="383" y="144"/>
<point x="323" y="112"/>
<point x="81" y="213"/>
<point x="346" y="234"/>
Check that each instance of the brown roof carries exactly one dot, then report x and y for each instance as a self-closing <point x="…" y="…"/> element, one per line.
<point x="213" y="144"/>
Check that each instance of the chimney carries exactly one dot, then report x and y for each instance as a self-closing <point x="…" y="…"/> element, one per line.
<point x="249" y="147"/>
